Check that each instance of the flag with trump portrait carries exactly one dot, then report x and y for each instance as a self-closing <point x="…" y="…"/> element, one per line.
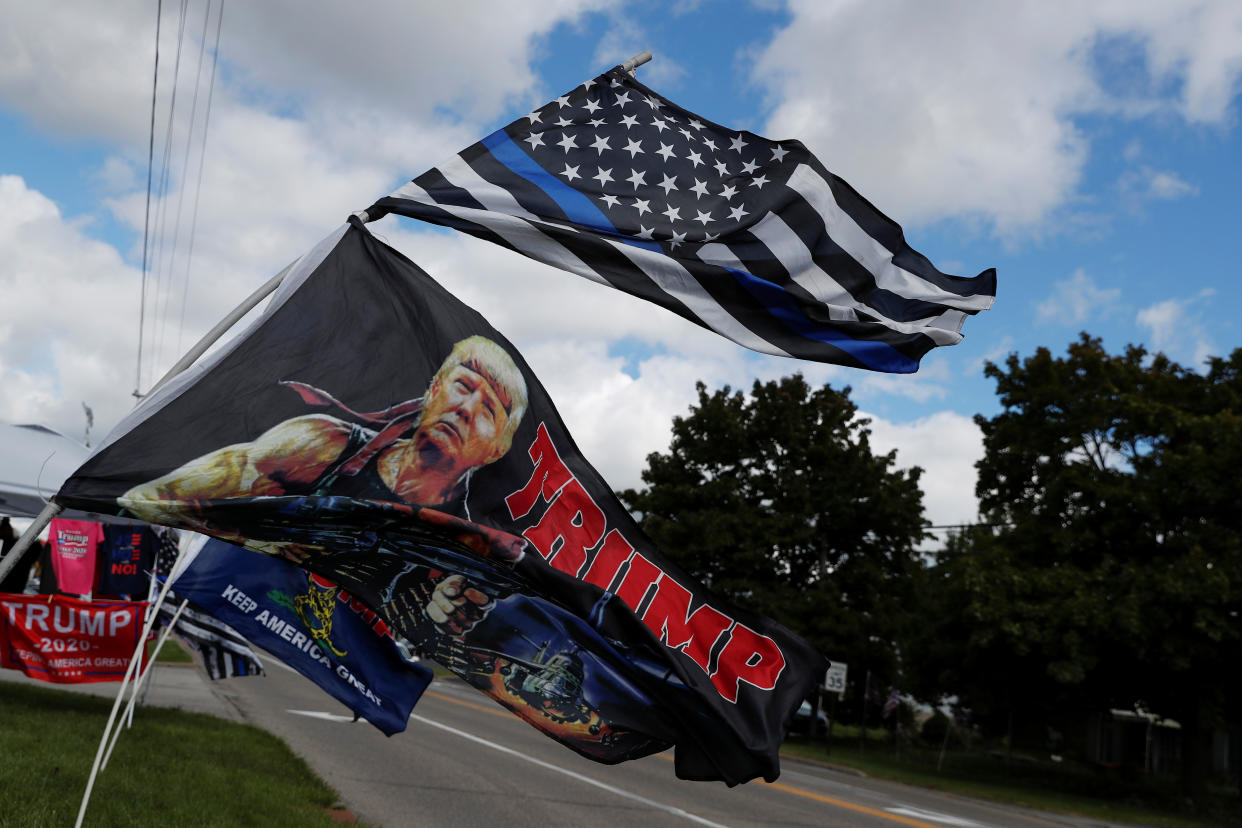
<point x="751" y="238"/>
<point x="378" y="433"/>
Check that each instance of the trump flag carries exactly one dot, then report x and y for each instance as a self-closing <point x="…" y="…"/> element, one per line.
<point x="375" y="431"/>
<point x="751" y="238"/>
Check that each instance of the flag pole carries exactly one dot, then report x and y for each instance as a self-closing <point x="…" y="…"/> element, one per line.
<point x="116" y="705"/>
<point x="141" y="680"/>
<point x="10" y="560"/>
<point x="223" y="325"/>
<point x="636" y="61"/>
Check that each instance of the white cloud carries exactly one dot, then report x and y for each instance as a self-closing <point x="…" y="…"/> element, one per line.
<point x="1149" y="184"/>
<point x="997" y="354"/>
<point x="85" y="70"/>
<point x="965" y="109"/>
<point x="930" y="383"/>
<point x="1077" y="299"/>
<point x="77" y="72"/>
<point x="1175" y="327"/>
<point x="1163" y="320"/>
<point x="946" y="445"/>
<point x="619" y="45"/>
<point x="68" y="334"/>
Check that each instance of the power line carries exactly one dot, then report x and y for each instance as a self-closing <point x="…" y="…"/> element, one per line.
<point x="202" y="157"/>
<point x="160" y="271"/>
<point x="185" y="171"/>
<point x="146" y="224"/>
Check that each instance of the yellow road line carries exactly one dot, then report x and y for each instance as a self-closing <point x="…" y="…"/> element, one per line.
<point x="493" y="711"/>
<point x="841" y="803"/>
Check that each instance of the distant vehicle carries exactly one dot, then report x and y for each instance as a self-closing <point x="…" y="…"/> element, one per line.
<point x="802" y="721"/>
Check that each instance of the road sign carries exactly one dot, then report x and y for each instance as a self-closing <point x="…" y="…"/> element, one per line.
<point x="834" y="679"/>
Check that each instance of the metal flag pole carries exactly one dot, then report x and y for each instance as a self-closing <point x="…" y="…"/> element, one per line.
<point x="223" y="325"/>
<point x="636" y="61"/>
<point x="141" y="680"/>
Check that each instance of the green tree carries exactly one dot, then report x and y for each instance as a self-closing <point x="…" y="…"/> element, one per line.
<point x="1113" y="573"/>
<point x="777" y="502"/>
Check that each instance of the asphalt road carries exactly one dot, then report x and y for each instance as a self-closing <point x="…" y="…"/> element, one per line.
<point x="463" y="761"/>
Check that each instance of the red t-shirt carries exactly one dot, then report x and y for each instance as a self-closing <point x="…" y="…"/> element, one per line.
<point x="74" y="544"/>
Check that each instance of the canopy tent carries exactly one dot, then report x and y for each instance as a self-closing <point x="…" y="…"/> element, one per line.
<point x="34" y="462"/>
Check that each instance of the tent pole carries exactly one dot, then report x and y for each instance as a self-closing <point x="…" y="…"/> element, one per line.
<point x="10" y="560"/>
<point x="223" y="325"/>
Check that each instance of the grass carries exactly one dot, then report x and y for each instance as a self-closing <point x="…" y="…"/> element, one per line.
<point x="172" y="652"/>
<point x="1066" y="787"/>
<point x="172" y="768"/>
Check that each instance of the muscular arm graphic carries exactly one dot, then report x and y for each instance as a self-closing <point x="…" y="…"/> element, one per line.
<point x="293" y="452"/>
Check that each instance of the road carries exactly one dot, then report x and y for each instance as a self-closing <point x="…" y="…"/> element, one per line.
<point x="463" y="761"/>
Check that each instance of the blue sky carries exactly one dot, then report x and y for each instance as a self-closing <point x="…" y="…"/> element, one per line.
<point x="1092" y="155"/>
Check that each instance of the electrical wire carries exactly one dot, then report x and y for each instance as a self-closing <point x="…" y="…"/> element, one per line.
<point x="202" y="157"/>
<point x="185" y="171"/>
<point x="160" y="272"/>
<point x="146" y="224"/>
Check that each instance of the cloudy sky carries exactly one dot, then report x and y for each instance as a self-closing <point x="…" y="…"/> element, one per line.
<point x="1090" y="152"/>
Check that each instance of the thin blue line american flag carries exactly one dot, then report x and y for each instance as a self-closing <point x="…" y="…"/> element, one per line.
<point x="748" y="237"/>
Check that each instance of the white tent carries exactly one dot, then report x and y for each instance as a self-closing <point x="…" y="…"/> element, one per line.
<point x="34" y="462"/>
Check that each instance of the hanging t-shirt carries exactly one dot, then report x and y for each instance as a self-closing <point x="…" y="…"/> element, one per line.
<point x="128" y="557"/>
<point x="74" y="545"/>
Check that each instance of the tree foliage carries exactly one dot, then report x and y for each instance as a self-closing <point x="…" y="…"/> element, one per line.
<point x="1114" y="573"/>
<point x="777" y="502"/>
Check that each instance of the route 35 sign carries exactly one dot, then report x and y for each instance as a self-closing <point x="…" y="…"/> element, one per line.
<point x="834" y="679"/>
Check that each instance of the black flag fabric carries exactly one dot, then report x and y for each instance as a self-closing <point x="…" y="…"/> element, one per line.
<point x="376" y="431"/>
<point x="751" y="238"/>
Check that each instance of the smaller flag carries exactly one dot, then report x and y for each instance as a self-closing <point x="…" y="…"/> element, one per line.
<point x="751" y="238"/>
<point x="224" y="651"/>
<point x="310" y="624"/>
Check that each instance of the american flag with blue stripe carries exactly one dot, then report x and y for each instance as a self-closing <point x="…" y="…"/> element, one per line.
<point x="751" y="238"/>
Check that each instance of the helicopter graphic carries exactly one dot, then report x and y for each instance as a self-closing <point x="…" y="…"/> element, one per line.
<point x="551" y="682"/>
